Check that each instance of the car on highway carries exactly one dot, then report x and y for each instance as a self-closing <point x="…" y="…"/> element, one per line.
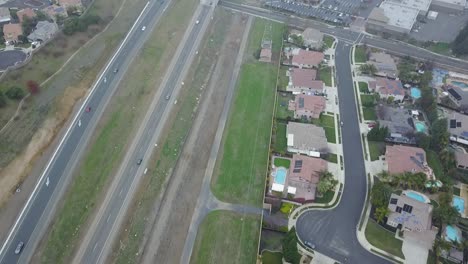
<point x="196" y="22"/>
<point x="88" y="109"/>
<point x="116" y="70"/>
<point x="19" y="247"/>
<point x="143" y="28"/>
<point x="168" y="97"/>
<point x="139" y="161"/>
<point x="309" y="244"/>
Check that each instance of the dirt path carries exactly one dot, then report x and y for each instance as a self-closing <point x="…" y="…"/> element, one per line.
<point x="175" y="213"/>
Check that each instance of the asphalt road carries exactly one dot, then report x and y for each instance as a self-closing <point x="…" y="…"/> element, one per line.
<point x="334" y="231"/>
<point x="347" y="35"/>
<point x="38" y="211"/>
<point x="98" y="247"/>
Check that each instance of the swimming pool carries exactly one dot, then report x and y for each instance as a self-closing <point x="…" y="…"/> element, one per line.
<point x="459" y="203"/>
<point x="459" y="84"/>
<point x="420" y="126"/>
<point x="452" y="234"/>
<point x="280" y="176"/>
<point x="417" y="196"/>
<point x="415" y="92"/>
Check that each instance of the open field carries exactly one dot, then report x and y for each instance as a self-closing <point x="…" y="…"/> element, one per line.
<point x="140" y="220"/>
<point x="383" y="239"/>
<point x="107" y="149"/>
<point x="227" y="237"/>
<point x="360" y="54"/>
<point x="243" y="163"/>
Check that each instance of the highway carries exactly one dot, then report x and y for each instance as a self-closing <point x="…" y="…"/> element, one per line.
<point x="98" y="242"/>
<point x="345" y="34"/>
<point x="38" y="211"/>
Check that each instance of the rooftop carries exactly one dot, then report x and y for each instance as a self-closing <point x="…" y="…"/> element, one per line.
<point x="309" y="105"/>
<point x="422" y="5"/>
<point x="397" y="120"/>
<point x="402" y="159"/>
<point x="4" y="14"/>
<point x="461" y="158"/>
<point x="304" y="175"/>
<point x="27" y="12"/>
<point x="384" y="63"/>
<point x="388" y="86"/>
<point x="307" y="57"/>
<point x="306" y="137"/>
<point x="12" y="31"/>
<point x="69" y="2"/>
<point x="458" y="124"/>
<point x="454" y="2"/>
<point x="44" y="30"/>
<point x="302" y="77"/>
<point x="410" y="213"/>
<point x="398" y="15"/>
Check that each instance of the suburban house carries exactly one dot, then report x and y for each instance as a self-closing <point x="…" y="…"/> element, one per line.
<point x="303" y="80"/>
<point x="306" y="58"/>
<point x="53" y="11"/>
<point x="384" y="63"/>
<point x="453" y="95"/>
<point x="387" y="87"/>
<point x="70" y="3"/>
<point x="312" y="38"/>
<point x="4" y="15"/>
<point x="402" y="159"/>
<point x="458" y="127"/>
<point x="44" y="31"/>
<point x="462" y="160"/>
<point x="307" y="106"/>
<point x="399" y="122"/>
<point x="27" y="12"/>
<point x="265" y="55"/>
<point x="11" y="32"/>
<point x="304" y="175"/>
<point x="409" y="214"/>
<point x="307" y="139"/>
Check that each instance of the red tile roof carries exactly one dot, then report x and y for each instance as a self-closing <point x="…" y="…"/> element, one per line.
<point x="302" y="77"/>
<point x="309" y="105"/>
<point x="27" y="12"/>
<point x="304" y="174"/>
<point x="12" y="31"/>
<point x="389" y="87"/>
<point x="405" y="159"/>
<point x="307" y="57"/>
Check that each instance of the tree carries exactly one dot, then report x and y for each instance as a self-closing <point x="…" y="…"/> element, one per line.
<point x="380" y="213"/>
<point x="33" y="87"/>
<point x="390" y="100"/>
<point x="440" y="245"/>
<point x="460" y="44"/>
<point x="3" y="100"/>
<point x="28" y="25"/>
<point x="423" y="140"/>
<point x="289" y="244"/>
<point x="377" y="133"/>
<point x="439" y="134"/>
<point x="15" y="93"/>
<point x="380" y="194"/>
<point x="368" y="69"/>
<point x="445" y="215"/>
<point x="327" y="182"/>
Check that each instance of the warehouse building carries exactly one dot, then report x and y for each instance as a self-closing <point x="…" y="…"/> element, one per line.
<point x="393" y="18"/>
<point x="448" y="6"/>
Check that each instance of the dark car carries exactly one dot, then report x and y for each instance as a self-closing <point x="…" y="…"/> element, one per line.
<point x="88" y="109"/>
<point x="139" y="161"/>
<point x="116" y="70"/>
<point x="19" y="247"/>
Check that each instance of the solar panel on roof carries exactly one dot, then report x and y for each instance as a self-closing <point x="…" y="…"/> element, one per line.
<point x="454" y="94"/>
<point x="301" y="102"/>
<point x="393" y="201"/>
<point x="453" y="123"/>
<point x="297" y="170"/>
<point x="458" y="124"/>
<point x="398" y="209"/>
<point x="298" y="164"/>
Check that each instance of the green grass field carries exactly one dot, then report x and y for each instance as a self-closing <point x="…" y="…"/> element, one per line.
<point x="360" y="54"/>
<point x="441" y="48"/>
<point x="280" y="162"/>
<point x="328" y="123"/>
<point x="283" y="80"/>
<point x="383" y="239"/>
<point x="281" y="142"/>
<point x="363" y="87"/>
<point x="367" y="99"/>
<point x="328" y="41"/>
<point x="282" y="101"/>
<point x="227" y="237"/>
<point x="325" y="75"/>
<point x="272" y="257"/>
<point x="242" y="165"/>
<point x="369" y="113"/>
<point x="376" y="149"/>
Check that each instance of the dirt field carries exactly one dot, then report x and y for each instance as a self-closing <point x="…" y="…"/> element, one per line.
<point x="175" y="212"/>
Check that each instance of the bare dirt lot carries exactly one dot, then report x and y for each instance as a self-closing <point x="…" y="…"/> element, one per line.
<point x="175" y="212"/>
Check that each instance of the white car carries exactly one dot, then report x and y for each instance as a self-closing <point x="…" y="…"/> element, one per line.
<point x="196" y="22"/>
<point x="143" y="28"/>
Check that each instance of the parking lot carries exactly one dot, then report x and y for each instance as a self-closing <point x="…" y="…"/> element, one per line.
<point x="333" y="11"/>
<point x="444" y="29"/>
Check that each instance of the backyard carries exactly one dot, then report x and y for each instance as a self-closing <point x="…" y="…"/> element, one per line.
<point x="383" y="239"/>
<point x="360" y="54"/>
<point x="280" y="162"/>
<point x="272" y="257"/>
<point x="434" y="162"/>
<point x="281" y="142"/>
<point x="282" y="101"/>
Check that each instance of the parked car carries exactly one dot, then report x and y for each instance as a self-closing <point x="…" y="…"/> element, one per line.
<point x="309" y="244"/>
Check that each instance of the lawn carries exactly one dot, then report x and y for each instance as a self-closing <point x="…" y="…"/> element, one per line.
<point x="360" y="54"/>
<point x="272" y="257"/>
<point x="434" y="162"/>
<point x="369" y="113"/>
<point x="331" y="157"/>
<point x="280" y="162"/>
<point x="328" y="123"/>
<point x="363" y="87"/>
<point x="441" y="48"/>
<point x="108" y="148"/>
<point x="282" y="101"/>
<point x="376" y="149"/>
<point x="242" y="166"/>
<point x="281" y="142"/>
<point x="383" y="239"/>
<point x="367" y="99"/>
<point x="328" y="40"/>
<point x="283" y="80"/>
<point x="325" y="75"/>
<point x="326" y="198"/>
<point x="226" y="236"/>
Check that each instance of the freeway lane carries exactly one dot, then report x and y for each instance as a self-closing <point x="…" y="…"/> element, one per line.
<point x="37" y="213"/>
<point x="347" y="35"/>
<point x="334" y="231"/>
<point x="98" y="241"/>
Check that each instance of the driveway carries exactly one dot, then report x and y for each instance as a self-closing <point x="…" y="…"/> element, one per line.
<point x="10" y="58"/>
<point x="334" y="231"/>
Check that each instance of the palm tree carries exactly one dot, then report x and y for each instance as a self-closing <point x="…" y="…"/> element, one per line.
<point x="439" y="246"/>
<point x="381" y="213"/>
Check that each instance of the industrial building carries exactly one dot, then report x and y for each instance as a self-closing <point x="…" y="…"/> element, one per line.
<point x="392" y="18"/>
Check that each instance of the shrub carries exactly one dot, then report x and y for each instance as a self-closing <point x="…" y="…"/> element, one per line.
<point x="15" y="93"/>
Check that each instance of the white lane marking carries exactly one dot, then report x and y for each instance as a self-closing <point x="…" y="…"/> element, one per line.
<point x="47" y="182"/>
<point x="94" y="248"/>
<point x="67" y="133"/>
<point x="120" y="193"/>
<point x="108" y="217"/>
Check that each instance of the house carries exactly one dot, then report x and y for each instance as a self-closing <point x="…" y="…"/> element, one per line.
<point x="306" y="58"/>
<point x="265" y="55"/>
<point x="409" y="214"/>
<point x="399" y="122"/>
<point x="312" y="38"/>
<point x="44" y="31"/>
<point x="402" y="159"/>
<point x="462" y="160"/>
<point x="4" y="15"/>
<point x="304" y="175"/>
<point x="307" y="139"/>
<point x="70" y="3"/>
<point x="384" y="63"/>
<point x="387" y="87"/>
<point x="54" y="11"/>
<point x="27" y="12"/>
<point x="11" y="32"/>
<point x="307" y="106"/>
<point x="303" y="80"/>
<point x="458" y="127"/>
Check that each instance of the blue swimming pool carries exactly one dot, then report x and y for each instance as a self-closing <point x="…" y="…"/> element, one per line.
<point x="420" y="126"/>
<point x="415" y="92"/>
<point x="459" y="203"/>
<point x="280" y="176"/>
<point x="416" y="196"/>
<point x="460" y="84"/>
<point x="451" y="234"/>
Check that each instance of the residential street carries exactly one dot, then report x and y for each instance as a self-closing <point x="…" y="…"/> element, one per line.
<point x="334" y="232"/>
